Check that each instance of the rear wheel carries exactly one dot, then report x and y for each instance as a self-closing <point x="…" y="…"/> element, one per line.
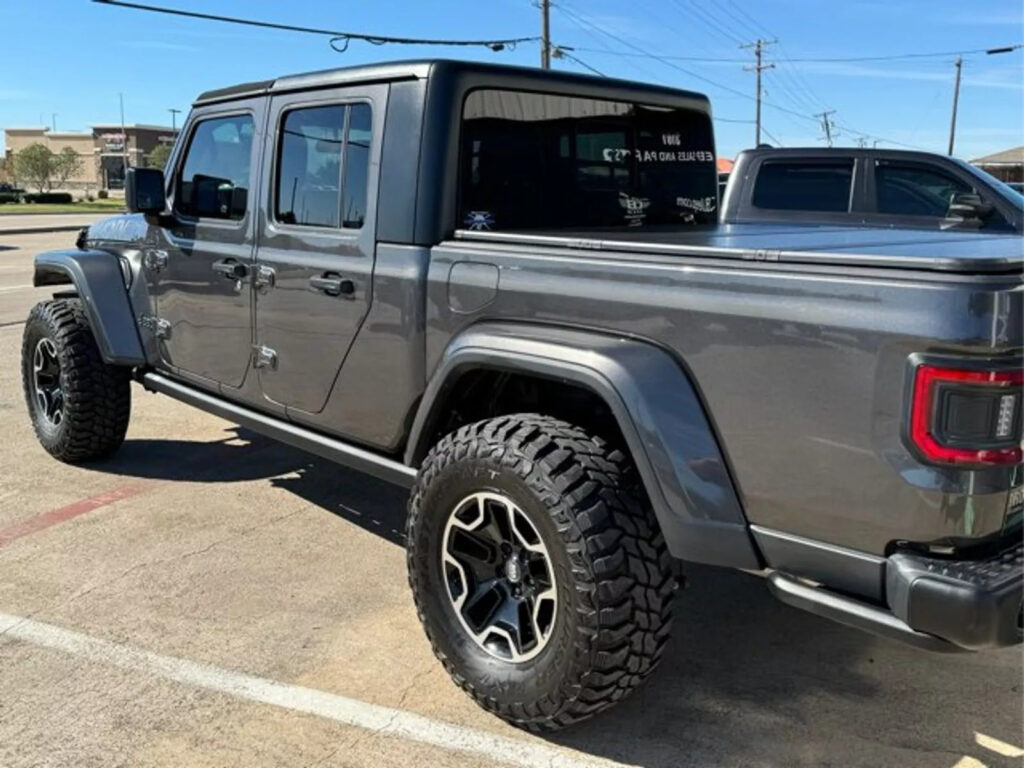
<point x="538" y="570"/>
<point x="78" y="404"/>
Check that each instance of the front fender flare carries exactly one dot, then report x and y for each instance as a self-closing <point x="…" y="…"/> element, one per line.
<point x="658" y="412"/>
<point x="99" y="282"/>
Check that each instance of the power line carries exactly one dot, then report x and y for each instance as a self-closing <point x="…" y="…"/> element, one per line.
<point x="709" y="20"/>
<point x="337" y="38"/>
<point x="562" y="52"/>
<point x="662" y="59"/>
<point x="779" y="143"/>
<point x="798" y="60"/>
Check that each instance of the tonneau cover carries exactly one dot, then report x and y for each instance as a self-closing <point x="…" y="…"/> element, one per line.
<point x="951" y="250"/>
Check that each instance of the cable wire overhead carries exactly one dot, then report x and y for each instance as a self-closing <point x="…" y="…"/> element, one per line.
<point x="339" y="40"/>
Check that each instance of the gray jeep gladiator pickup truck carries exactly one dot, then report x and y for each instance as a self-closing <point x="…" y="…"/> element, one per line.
<point x="872" y="187"/>
<point x="506" y="290"/>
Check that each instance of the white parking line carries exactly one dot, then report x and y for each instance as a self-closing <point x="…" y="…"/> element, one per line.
<point x="361" y="714"/>
<point x="995" y="745"/>
<point x="7" y="288"/>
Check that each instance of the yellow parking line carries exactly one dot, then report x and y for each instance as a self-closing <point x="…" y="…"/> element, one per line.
<point x="968" y="762"/>
<point x="997" y="746"/>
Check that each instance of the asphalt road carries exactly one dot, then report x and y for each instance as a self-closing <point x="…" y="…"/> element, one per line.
<point x="209" y="598"/>
<point x="41" y="221"/>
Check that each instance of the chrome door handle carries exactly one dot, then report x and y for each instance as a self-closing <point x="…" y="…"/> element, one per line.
<point x="230" y="269"/>
<point x="332" y="284"/>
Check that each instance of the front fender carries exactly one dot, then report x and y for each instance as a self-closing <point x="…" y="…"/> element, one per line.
<point x="99" y="282"/>
<point x="658" y="412"/>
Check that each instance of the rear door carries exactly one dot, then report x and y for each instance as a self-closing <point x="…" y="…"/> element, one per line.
<point x="313" y="280"/>
<point x="200" y="265"/>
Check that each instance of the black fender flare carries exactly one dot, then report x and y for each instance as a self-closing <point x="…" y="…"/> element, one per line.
<point x="100" y="284"/>
<point x="658" y="410"/>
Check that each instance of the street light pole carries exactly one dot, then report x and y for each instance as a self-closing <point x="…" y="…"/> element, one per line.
<point x="124" y="139"/>
<point x="53" y="119"/>
<point x="959" y="63"/>
<point x="174" y="115"/>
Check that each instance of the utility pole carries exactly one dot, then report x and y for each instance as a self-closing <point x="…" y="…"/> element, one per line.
<point x="959" y="63"/>
<point x="53" y="118"/>
<point x="758" y="46"/>
<point x="174" y="119"/>
<point x="124" y="139"/>
<point x="545" y="34"/>
<point x="827" y="124"/>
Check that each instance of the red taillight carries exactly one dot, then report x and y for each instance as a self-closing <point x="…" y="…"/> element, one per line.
<point x="967" y="416"/>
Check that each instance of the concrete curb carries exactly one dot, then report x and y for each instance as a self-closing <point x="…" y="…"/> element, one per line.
<point x="39" y="230"/>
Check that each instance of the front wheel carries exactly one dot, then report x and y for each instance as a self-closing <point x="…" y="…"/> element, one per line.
<point x="539" y="573"/>
<point x="78" y="404"/>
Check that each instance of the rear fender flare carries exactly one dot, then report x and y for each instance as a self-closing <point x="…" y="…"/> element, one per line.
<point x="100" y="284"/>
<point x="657" y="409"/>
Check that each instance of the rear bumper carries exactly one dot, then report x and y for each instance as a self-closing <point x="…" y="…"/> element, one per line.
<point x="973" y="604"/>
<point x="939" y="605"/>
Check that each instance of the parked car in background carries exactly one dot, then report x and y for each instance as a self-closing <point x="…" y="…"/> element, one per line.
<point x="10" y="193"/>
<point x="871" y="187"/>
<point x="1016" y="186"/>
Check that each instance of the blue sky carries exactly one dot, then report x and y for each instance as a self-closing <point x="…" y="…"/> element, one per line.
<point x="73" y="58"/>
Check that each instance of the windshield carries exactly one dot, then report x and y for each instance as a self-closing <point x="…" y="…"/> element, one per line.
<point x="547" y="161"/>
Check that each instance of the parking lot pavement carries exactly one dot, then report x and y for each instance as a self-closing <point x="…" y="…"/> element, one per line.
<point x="46" y="222"/>
<point x="209" y="598"/>
<point x="17" y="296"/>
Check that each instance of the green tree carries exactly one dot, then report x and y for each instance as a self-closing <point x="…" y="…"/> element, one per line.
<point x="33" y="166"/>
<point x="65" y="165"/>
<point x="37" y="166"/>
<point x="158" y="157"/>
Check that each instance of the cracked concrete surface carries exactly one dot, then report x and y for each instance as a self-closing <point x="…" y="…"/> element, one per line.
<point x="254" y="557"/>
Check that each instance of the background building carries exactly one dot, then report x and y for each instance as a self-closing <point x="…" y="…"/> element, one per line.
<point x="104" y="150"/>
<point x="1007" y="165"/>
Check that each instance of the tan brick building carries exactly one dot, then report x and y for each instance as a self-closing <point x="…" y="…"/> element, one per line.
<point x="104" y="150"/>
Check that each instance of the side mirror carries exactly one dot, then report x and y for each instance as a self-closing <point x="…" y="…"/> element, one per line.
<point x="144" y="190"/>
<point x="967" y="205"/>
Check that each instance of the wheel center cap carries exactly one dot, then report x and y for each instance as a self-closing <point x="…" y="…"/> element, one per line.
<point x="513" y="570"/>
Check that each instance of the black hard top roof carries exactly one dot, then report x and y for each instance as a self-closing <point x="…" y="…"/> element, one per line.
<point x="424" y="68"/>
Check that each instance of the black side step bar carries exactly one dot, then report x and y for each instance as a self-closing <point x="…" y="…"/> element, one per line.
<point x="852" y="613"/>
<point x="286" y="432"/>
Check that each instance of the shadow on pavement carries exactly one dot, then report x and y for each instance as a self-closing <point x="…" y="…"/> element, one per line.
<point x="244" y="455"/>
<point x="744" y="681"/>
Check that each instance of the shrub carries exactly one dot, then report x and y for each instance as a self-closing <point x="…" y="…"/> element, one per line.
<point x="8" y="197"/>
<point x="102" y="194"/>
<point x="48" y="197"/>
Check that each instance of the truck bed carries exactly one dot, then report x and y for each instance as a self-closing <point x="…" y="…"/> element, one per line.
<point x="960" y="252"/>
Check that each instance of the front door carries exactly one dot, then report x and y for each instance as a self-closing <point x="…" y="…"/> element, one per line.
<point x="203" y="296"/>
<point x="315" y="261"/>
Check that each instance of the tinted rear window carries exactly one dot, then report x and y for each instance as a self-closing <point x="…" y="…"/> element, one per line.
<point x="794" y="186"/>
<point x="546" y="161"/>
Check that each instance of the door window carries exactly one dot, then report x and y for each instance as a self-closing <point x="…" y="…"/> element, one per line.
<point x="322" y="167"/>
<point x="909" y="190"/>
<point x="214" y="179"/>
<point x="801" y="186"/>
<point x="357" y="164"/>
